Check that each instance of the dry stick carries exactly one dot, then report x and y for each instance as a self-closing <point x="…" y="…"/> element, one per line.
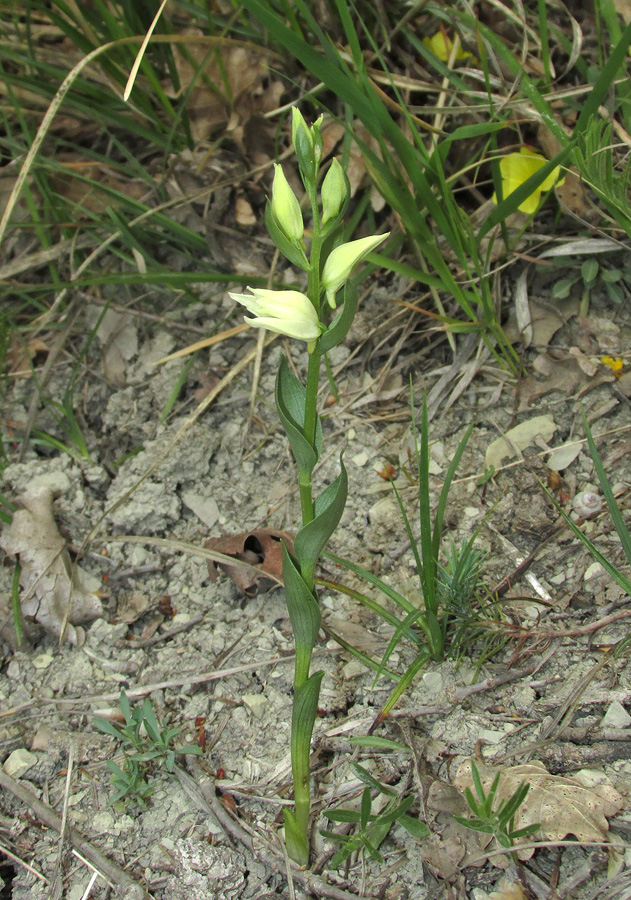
<point x="39" y="258"/>
<point x="143" y="690"/>
<point x="201" y="788"/>
<point x="57" y="888"/>
<point x="124" y="883"/>
<point x="21" y="862"/>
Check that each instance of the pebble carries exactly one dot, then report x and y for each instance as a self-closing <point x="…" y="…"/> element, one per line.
<point x="616" y="716"/>
<point x="255" y="702"/>
<point x="593" y="570"/>
<point x="42" y="661"/>
<point x="19" y="762"/>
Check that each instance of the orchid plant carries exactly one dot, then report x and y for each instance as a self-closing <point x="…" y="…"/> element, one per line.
<point x="305" y="316"/>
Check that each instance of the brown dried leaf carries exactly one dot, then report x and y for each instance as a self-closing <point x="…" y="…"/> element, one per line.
<point x="561" y="372"/>
<point x="231" y="89"/>
<point x="52" y="588"/>
<point x="261" y="548"/>
<point x="559" y="804"/>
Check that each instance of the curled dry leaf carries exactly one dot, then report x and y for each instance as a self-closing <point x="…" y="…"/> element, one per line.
<point x="54" y="591"/>
<point x="261" y="548"/>
<point x="561" y="805"/>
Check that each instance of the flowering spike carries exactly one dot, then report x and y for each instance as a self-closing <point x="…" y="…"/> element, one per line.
<point x="334" y="191"/>
<point x="286" y="208"/>
<point x="286" y="312"/>
<point x="342" y="261"/>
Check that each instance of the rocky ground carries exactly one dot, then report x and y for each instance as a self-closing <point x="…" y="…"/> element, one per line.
<point x="535" y="691"/>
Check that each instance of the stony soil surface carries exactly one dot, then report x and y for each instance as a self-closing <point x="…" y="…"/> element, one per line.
<point x="217" y="663"/>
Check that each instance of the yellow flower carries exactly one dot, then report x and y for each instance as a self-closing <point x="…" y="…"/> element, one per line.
<point x="614" y="364"/>
<point x="441" y="46"/>
<point x="286" y="312"/>
<point x="342" y="261"/>
<point x="516" y="168"/>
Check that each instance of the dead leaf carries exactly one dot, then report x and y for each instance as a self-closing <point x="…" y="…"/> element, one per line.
<point x="53" y="589"/>
<point x="232" y="87"/>
<point x="545" y="320"/>
<point x="562" y="372"/>
<point x="559" y="804"/>
<point x="261" y="548"/>
<point x="21" y="357"/>
<point x="518" y="438"/>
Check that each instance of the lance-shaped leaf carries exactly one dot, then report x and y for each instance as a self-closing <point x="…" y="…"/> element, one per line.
<point x="312" y="537"/>
<point x="340" y="327"/>
<point x="292" y="251"/>
<point x="304" y="613"/>
<point x="290" y="402"/>
<point x="303" y="716"/>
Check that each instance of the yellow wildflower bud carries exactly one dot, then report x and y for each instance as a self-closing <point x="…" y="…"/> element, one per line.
<point x="286" y="312"/>
<point x="342" y="261"/>
<point x="334" y="191"/>
<point x="516" y="168"/>
<point x="285" y="207"/>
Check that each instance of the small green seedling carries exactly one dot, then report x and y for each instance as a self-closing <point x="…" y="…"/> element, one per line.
<point x="591" y="273"/>
<point x="146" y="748"/>
<point x="500" y="822"/>
<point x="372" y="828"/>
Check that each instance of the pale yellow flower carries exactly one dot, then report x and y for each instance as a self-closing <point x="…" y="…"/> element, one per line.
<point x="342" y="261"/>
<point x="286" y="312"/>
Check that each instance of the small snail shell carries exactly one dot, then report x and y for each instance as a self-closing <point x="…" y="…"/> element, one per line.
<point x="587" y="504"/>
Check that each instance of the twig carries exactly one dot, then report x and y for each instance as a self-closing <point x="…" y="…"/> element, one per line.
<point x="158" y="638"/>
<point x="20" y="862"/>
<point x="125" y="885"/>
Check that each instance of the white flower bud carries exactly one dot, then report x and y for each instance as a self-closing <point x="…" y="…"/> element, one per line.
<point x="285" y="207"/>
<point x="342" y="261"/>
<point x="286" y="312"/>
<point x="334" y="191"/>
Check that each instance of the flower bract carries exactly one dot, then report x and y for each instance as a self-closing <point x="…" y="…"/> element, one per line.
<point x="516" y="168"/>
<point x="342" y="261"/>
<point x="286" y="312"/>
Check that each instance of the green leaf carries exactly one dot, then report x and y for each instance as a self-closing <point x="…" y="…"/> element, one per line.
<point x="106" y="727"/>
<point x="343" y="815"/>
<point x="303" y="716"/>
<point x="414" y="827"/>
<point x="366" y="806"/>
<point x="290" y="402"/>
<point x="294" y="253"/>
<point x="561" y="289"/>
<point x="366" y="778"/>
<point x="312" y="537"/>
<point x="304" y="612"/>
<point x="612" y="505"/>
<point x="589" y="270"/>
<point x="339" y="328"/>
